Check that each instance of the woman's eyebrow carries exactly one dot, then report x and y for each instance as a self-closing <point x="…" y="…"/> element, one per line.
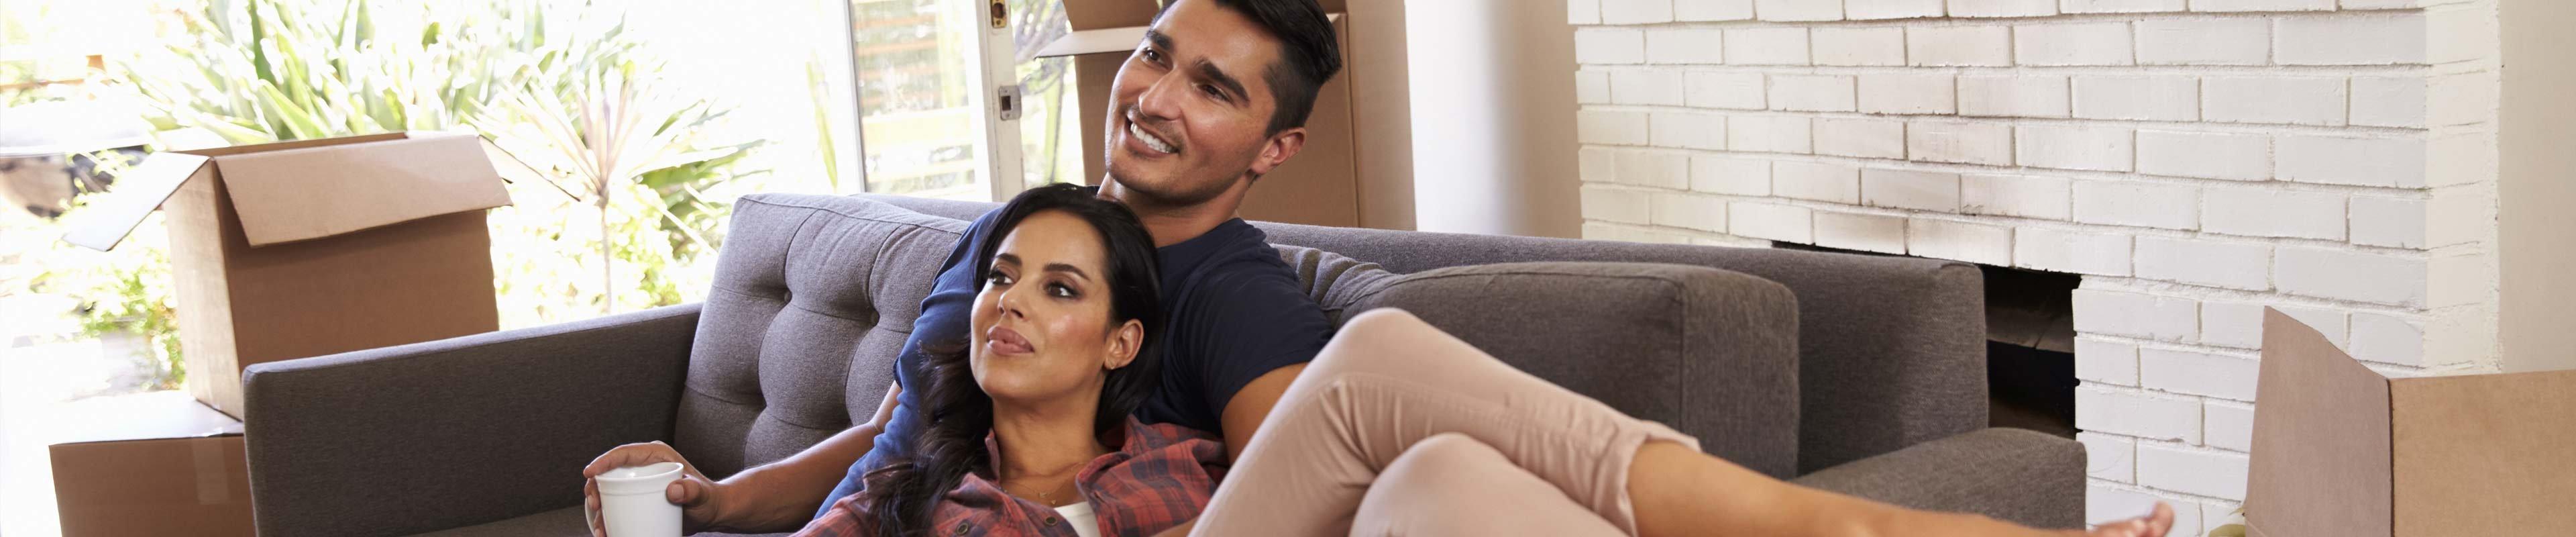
<point x="1061" y="267"/>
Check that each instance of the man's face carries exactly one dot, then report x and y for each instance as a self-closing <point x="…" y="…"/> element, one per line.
<point x="1190" y="108"/>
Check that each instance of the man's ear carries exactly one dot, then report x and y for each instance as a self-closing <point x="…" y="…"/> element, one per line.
<point x="1123" y="344"/>
<point x="1281" y="146"/>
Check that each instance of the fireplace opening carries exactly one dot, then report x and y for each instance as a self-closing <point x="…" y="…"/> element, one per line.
<point x="2030" y="345"/>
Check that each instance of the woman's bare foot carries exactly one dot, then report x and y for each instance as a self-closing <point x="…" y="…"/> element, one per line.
<point x="2153" y="525"/>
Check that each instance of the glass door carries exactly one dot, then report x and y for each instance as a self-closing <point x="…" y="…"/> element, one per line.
<point x="929" y="110"/>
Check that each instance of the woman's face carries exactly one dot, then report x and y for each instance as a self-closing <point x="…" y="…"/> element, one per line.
<point x="1042" y="328"/>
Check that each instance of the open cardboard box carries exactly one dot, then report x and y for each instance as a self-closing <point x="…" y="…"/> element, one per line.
<point x="314" y="247"/>
<point x="151" y="464"/>
<point x="2341" y="450"/>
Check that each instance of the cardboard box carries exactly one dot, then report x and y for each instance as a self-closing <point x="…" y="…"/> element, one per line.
<point x="2340" y="450"/>
<point x="314" y="247"/>
<point x="154" y="464"/>
<point x="1323" y="184"/>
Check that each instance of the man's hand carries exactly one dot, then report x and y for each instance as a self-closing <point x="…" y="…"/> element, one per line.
<point x="693" y="492"/>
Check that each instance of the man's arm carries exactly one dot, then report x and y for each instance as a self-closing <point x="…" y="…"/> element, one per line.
<point x="792" y="488"/>
<point x="1243" y="416"/>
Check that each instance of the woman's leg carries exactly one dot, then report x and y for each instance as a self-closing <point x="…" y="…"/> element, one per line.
<point x="1450" y="484"/>
<point x="1389" y="380"/>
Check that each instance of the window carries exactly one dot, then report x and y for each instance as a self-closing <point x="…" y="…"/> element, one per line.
<point x="920" y="109"/>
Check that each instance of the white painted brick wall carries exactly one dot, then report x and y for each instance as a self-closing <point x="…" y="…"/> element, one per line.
<point x="2204" y="41"/>
<point x="1688" y="130"/>
<point x="2150" y="98"/>
<point x="1684" y="45"/>
<point x="1860" y="231"/>
<point x="2100" y="148"/>
<point x="1816" y="181"/>
<point x="1770" y="134"/>
<point x="1866" y="46"/>
<point x="1909" y="189"/>
<point x="2209" y="155"/>
<point x="2232" y="265"/>
<point x="2027" y="196"/>
<point x="1730" y="175"/>
<point x="1891" y="9"/>
<point x="1797" y="10"/>
<point x="1905" y="93"/>
<point x="2195" y="161"/>
<point x="2096" y="43"/>
<point x="2008" y="95"/>
<point x="2298" y="100"/>
<point x="2272" y="212"/>
<point x="1731" y="90"/>
<point x="2137" y="204"/>
<point x="1766" y="46"/>
<point x="2078" y="252"/>
<point x="1950" y="239"/>
<point x="1633" y="86"/>
<point x="2197" y="373"/>
<point x="1960" y="142"/>
<point x="1959" y="45"/>
<point x="1860" y="137"/>
<point x="1812" y="93"/>
<point x="1713" y="10"/>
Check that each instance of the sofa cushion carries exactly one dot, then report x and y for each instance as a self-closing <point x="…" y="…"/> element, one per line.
<point x="814" y="296"/>
<point x="1709" y="352"/>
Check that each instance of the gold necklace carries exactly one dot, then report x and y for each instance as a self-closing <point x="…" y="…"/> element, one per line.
<point x="1044" y="496"/>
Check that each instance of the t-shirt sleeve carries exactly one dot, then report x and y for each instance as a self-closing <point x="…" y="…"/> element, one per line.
<point x="1244" y="324"/>
<point x="944" y="314"/>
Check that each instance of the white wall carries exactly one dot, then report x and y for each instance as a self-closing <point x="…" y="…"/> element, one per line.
<point x="1493" y="106"/>
<point x="2539" y="184"/>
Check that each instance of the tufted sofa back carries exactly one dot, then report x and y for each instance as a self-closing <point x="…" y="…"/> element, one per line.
<point x="813" y="298"/>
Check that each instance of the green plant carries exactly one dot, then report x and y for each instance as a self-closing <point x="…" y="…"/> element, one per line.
<point x="267" y="70"/>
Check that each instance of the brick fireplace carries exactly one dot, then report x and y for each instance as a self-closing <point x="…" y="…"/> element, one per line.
<point x="2191" y="162"/>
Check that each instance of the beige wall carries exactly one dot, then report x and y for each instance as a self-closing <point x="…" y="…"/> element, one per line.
<point x="1493" y="115"/>
<point x="2538" y="187"/>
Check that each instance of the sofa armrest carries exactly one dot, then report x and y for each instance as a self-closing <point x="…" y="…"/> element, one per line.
<point x="2025" y="477"/>
<point x="455" y="432"/>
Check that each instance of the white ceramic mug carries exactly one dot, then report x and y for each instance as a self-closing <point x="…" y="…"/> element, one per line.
<point x="632" y="504"/>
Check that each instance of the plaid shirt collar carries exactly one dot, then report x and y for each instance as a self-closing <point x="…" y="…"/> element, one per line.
<point x="1160" y="476"/>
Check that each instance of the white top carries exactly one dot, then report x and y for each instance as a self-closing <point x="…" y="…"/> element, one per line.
<point x="1079" y="515"/>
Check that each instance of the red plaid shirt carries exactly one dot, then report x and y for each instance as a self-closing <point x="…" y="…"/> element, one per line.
<point x="1159" y="478"/>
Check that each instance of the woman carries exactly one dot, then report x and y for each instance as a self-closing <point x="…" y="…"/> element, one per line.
<point x="1030" y="431"/>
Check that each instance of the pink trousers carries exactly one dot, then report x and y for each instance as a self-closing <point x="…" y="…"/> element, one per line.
<point x="1399" y="428"/>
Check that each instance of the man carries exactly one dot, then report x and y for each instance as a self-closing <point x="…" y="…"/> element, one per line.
<point x="1215" y="97"/>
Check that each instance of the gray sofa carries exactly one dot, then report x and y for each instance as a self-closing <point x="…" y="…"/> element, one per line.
<point x="1858" y="374"/>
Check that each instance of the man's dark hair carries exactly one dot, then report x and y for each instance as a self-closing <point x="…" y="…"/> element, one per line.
<point x="1309" y="53"/>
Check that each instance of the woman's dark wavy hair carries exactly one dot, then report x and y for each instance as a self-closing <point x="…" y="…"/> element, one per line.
<point x="903" y="494"/>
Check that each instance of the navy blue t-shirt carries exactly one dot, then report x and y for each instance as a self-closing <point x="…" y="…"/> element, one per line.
<point x="1235" y="312"/>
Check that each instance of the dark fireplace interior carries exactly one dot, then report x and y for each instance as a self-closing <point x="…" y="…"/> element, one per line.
<point x="2030" y="345"/>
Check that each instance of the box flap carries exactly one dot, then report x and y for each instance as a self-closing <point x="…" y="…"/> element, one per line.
<point x="2485" y="454"/>
<point x="2320" y="438"/>
<point x="313" y="192"/>
<point x="142" y="416"/>
<point x="138" y="191"/>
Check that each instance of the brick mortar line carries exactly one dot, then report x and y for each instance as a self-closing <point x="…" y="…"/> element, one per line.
<point x="2413" y="194"/>
<point x="2071" y="18"/>
<point x="1972" y="70"/>
<point x="2173" y="495"/>
<point x="2227" y="127"/>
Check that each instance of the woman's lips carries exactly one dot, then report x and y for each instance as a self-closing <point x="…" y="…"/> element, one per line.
<point x="1001" y="340"/>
